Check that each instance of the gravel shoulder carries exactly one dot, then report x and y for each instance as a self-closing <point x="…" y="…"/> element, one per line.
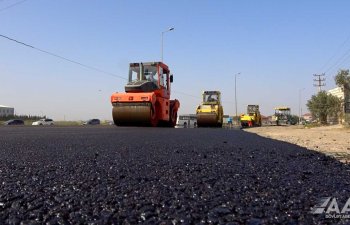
<point x="330" y="140"/>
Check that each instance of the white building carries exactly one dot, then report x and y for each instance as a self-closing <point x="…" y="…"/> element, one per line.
<point x="6" y="111"/>
<point x="338" y="92"/>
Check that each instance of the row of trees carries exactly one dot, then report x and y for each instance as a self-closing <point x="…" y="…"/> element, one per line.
<point x="323" y="105"/>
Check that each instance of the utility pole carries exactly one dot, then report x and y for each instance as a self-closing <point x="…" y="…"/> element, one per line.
<point x="236" y="96"/>
<point x="319" y="81"/>
<point x="162" y="40"/>
<point x="300" y="108"/>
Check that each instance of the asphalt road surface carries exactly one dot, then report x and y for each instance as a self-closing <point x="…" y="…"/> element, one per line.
<point x="111" y="175"/>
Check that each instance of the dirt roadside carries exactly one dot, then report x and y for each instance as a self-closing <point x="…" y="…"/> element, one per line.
<point x="330" y="140"/>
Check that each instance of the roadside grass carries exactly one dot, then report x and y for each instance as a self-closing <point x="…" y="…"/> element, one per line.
<point x="68" y="123"/>
<point x="313" y="125"/>
<point x="28" y="122"/>
<point x="78" y="123"/>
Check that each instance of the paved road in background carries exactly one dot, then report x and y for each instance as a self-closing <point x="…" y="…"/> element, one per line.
<point x="111" y="175"/>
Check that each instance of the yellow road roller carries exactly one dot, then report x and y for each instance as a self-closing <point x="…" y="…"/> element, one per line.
<point x="252" y="118"/>
<point x="210" y="112"/>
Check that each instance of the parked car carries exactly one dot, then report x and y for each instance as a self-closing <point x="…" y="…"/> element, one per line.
<point x="92" y="122"/>
<point x="43" y="122"/>
<point x="14" y="122"/>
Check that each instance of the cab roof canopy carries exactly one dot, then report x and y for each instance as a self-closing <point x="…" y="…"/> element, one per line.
<point x="164" y="66"/>
<point x="211" y="92"/>
<point x="282" y="108"/>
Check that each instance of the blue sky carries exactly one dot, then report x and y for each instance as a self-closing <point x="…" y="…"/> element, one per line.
<point x="276" y="46"/>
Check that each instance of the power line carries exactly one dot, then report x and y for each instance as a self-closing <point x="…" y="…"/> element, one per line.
<point x="83" y="65"/>
<point x="183" y="93"/>
<point x="10" y="6"/>
<point x="197" y="97"/>
<point x="339" y="61"/>
<point x="335" y="53"/>
<point x="63" y="58"/>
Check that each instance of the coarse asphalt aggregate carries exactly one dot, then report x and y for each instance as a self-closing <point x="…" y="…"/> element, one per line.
<point x="131" y="175"/>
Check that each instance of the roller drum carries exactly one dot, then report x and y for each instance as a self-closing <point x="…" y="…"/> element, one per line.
<point x="207" y="120"/>
<point x="132" y="114"/>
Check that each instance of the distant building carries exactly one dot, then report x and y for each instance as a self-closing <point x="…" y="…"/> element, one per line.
<point x="6" y="111"/>
<point x="339" y="118"/>
<point x="307" y="117"/>
<point x="338" y="92"/>
<point x="265" y="119"/>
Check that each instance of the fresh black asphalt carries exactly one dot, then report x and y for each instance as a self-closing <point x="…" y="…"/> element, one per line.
<point x="112" y="175"/>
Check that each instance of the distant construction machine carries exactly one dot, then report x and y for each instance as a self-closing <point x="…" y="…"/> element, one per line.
<point x="252" y="118"/>
<point x="147" y="98"/>
<point x="210" y="113"/>
<point x="283" y="116"/>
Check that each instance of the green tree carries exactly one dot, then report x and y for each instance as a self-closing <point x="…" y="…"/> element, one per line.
<point x="323" y="105"/>
<point x="342" y="79"/>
